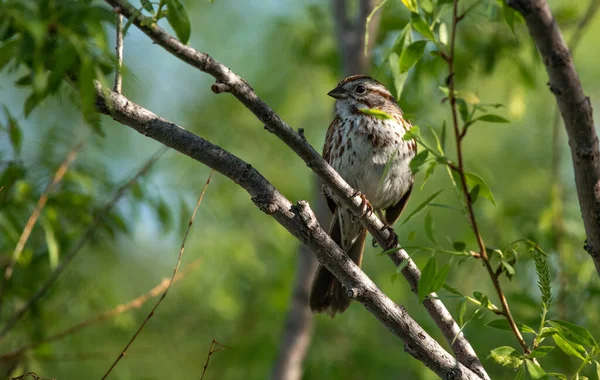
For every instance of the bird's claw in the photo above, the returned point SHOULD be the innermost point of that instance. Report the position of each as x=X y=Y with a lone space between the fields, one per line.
x=365 y=205
x=392 y=240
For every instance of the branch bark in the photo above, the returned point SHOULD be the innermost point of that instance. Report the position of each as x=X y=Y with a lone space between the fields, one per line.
x=227 y=81
x=298 y=219
x=576 y=111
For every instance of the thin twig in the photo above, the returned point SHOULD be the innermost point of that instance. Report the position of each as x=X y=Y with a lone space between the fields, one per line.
x=41 y=203
x=118 y=87
x=210 y=353
x=33 y=375
x=135 y=303
x=89 y=232
x=583 y=23
x=459 y=135
x=187 y=231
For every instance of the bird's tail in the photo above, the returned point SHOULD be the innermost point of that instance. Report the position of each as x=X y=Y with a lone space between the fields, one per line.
x=327 y=294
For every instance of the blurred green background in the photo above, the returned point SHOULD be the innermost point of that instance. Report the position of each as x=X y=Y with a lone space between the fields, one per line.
x=240 y=291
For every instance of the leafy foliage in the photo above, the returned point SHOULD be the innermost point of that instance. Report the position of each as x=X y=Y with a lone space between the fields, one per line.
x=48 y=40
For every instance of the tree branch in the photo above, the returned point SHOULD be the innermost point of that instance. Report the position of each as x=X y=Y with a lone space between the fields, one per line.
x=298 y=219
x=228 y=81
x=576 y=111
x=460 y=169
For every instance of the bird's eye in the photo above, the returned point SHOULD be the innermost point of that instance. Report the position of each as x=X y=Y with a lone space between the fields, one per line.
x=360 y=89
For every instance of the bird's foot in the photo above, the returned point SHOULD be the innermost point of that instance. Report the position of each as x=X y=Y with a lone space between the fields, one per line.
x=392 y=241
x=365 y=205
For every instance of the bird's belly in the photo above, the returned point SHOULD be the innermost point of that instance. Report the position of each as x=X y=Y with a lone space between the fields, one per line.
x=364 y=166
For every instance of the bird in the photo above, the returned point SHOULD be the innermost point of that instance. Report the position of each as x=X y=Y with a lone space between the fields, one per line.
x=367 y=149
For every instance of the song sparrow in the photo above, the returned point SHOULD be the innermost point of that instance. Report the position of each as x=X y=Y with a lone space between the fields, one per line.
x=360 y=146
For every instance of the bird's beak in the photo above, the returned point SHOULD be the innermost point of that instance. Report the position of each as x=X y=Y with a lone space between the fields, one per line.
x=338 y=93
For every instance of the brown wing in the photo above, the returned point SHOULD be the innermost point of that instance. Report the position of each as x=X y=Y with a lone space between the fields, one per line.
x=327 y=151
x=393 y=213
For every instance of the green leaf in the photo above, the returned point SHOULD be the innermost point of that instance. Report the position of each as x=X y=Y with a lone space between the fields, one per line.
x=8 y=52
x=399 y=78
x=502 y=324
x=573 y=332
x=461 y=309
x=474 y=180
x=541 y=351
x=387 y=167
x=428 y=173
x=379 y=114
x=491 y=118
x=535 y=371
x=411 y=5
x=164 y=213
x=548 y=331
x=443 y=136
x=25 y=80
x=459 y=246
x=506 y=356
x=557 y=375
x=452 y=290
x=440 y=278
x=87 y=93
x=421 y=26
x=413 y=132
x=402 y=265
x=429 y=230
x=31 y=102
x=421 y=206
x=463 y=109
x=571 y=349
x=418 y=161
x=474 y=193
x=427 y=6
x=147 y=6
x=443 y=33
x=14 y=132
x=411 y=55
x=544 y=277
x=520 y=373
x=509 y=268
x=403 y=40
x=509 y=16
x=179 y=20
x=597 y=369
x=53 y=248
x=427 y=279
x=134 y=16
